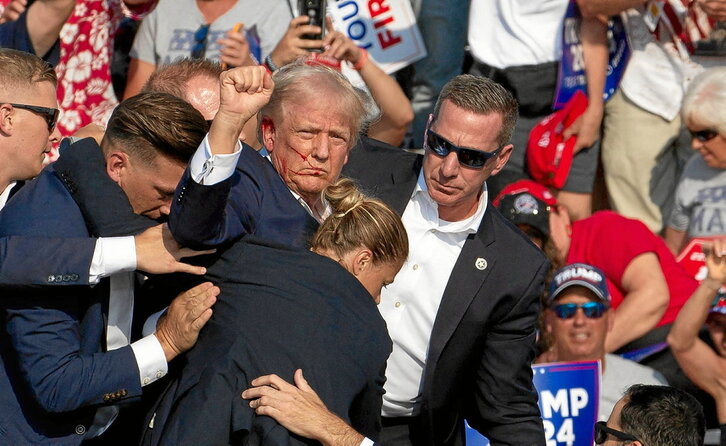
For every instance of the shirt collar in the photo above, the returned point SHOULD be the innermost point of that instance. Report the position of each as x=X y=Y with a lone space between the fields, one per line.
x=430 y=210
x=5 y=194
x=320 y=211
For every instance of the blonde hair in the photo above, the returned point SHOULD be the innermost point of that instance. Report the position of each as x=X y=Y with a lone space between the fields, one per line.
x=22 y=70
x=358 y=220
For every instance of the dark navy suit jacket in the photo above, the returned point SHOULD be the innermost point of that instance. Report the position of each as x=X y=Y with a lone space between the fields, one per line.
x=253 y=201
x=279 y=309
x=53 y=372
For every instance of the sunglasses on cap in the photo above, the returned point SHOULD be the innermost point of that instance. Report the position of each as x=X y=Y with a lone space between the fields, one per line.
x=467 y=156
x=704 y=135
x=200 y=42
x=602 y=431
x=592 y=310
x=49 y=114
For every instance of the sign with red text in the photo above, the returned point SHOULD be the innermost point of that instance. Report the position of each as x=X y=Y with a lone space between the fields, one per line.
x=386 y=28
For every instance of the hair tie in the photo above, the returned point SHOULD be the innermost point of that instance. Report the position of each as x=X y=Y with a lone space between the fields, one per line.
x=343 y=214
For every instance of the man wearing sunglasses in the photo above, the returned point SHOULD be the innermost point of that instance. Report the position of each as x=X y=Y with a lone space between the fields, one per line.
x=577 y=319
x=651 y=415
x=28 y=113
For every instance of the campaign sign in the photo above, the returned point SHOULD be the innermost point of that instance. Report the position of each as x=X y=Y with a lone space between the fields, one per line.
x=386 y=28
x=569 y=393
x=571 y=76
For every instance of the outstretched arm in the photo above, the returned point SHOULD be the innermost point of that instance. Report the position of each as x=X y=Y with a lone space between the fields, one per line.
x=45 y=20
x=702 y=365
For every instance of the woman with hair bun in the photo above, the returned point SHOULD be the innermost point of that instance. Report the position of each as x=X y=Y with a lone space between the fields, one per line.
x=282 y=309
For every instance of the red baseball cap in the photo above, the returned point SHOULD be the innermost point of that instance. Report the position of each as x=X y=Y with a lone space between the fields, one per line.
x=549 y=155
x=532 y=187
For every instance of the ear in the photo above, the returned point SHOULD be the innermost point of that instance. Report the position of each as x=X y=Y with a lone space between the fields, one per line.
x=548 y=320
x=6 y=119
x=503 y=158
x=362 y=261
x=116 y=164
x=268 y=133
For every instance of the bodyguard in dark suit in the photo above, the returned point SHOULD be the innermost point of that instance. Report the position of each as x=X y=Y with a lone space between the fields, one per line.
x=279 y=309
x=462 y=311
x=65 y=351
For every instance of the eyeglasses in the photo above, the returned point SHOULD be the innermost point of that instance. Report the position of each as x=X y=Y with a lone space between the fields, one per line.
x=49 y=114
x=200 y=42
x=467 y=156
x=704 y=135
x=602 y=431
x=592 y=310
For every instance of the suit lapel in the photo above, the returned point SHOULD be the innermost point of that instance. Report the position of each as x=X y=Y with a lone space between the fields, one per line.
x=471 y=270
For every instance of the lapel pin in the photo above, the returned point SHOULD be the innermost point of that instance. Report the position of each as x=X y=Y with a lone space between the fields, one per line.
x=480 y=263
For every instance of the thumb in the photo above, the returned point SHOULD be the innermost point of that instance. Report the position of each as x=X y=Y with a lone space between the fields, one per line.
x=301 y=382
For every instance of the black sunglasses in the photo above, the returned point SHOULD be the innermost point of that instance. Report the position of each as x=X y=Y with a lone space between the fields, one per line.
x=704 y=135
x=49 y=114
x=467 y=156
x=200 y=42
x=602 y=431
x=592 y=310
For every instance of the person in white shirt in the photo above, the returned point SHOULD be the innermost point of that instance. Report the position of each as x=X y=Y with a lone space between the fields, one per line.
x=577 y=319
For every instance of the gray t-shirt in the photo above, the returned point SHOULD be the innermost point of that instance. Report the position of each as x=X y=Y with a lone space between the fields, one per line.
x=620 y=374
x=700 y=205
x=167 y=33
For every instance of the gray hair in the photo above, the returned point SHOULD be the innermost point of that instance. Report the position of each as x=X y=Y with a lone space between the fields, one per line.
x=705 y=100
x=298 y=77
x=482 y=96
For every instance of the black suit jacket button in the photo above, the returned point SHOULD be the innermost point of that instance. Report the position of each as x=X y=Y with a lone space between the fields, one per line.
x=80 y=429
x=51 y=278
x=74 y=277
x=66 y=277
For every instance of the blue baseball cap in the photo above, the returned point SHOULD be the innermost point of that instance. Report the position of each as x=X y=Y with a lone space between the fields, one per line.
x=580 y=274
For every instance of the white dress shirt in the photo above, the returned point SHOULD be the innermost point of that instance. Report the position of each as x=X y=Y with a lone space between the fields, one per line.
x=409 y=305
x=5 y=194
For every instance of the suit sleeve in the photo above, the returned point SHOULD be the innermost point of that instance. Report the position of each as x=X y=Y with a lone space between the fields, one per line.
x=46 y=337
x=365 y=411
x=58 y=261
x=206 y=216
x=504 y=407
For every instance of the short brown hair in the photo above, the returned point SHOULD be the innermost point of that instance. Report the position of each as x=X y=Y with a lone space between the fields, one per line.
x=152 y=124
x=482 y=96
x=21 y=70
x=358 y=220
x=173 y=78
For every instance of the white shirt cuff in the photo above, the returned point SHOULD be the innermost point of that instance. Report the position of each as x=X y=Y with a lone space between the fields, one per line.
x=208 y=169
x=112 y=255
x=366 y=442
x=150 y=359
x=150 y=324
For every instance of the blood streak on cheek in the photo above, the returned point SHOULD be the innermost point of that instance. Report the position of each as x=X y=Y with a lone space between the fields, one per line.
x=304 y=158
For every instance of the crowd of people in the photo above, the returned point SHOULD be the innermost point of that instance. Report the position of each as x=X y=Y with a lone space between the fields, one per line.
x=210 y=234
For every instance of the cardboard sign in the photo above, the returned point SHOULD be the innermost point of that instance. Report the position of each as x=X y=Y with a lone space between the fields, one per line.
x=386 y=28
x=571 y=75
x=569 y=393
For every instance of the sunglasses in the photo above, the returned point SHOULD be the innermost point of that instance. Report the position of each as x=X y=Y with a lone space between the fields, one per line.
x=592 y=310
x=704 y=135
x=49 y=114
x=602 y=431
x=200 y=42
x=467 y=156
